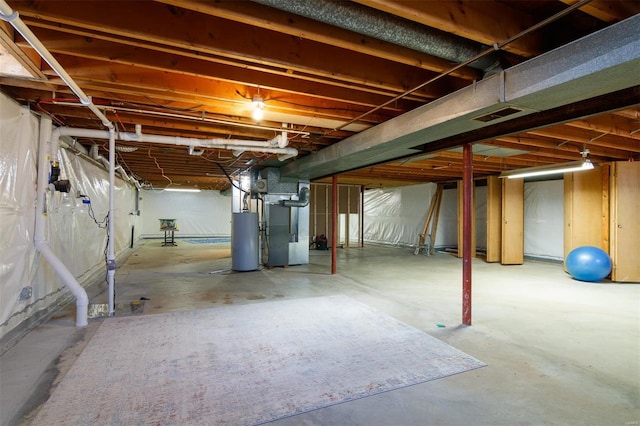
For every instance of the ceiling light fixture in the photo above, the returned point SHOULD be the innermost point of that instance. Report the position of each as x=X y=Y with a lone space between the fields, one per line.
x=182 y=189
x=551 y=169
x=258 y=105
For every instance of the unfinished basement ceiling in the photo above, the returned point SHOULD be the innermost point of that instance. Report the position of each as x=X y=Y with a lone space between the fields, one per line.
x=327 y=71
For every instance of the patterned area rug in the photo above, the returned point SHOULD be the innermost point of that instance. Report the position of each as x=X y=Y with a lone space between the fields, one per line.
x=244 y=364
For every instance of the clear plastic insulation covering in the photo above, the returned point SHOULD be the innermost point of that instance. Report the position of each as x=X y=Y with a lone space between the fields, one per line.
x=396 y=216
x=75 y=222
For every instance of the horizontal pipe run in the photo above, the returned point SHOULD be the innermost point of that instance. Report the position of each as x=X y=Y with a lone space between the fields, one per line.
x=269 y=146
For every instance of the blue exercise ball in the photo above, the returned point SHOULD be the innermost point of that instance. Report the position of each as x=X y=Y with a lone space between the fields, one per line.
x=588 y=263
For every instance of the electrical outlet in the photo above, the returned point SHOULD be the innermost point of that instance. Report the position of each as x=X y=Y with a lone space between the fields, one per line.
x=26 y=293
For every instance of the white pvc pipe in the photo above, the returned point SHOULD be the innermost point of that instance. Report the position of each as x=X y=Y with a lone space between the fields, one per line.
x=284 y=140
x=111 y=254
x=231 y=144
x=82 y=300
x=274 y=150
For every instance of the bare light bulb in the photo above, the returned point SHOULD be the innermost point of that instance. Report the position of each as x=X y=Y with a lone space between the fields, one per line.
x=258 y=104
x=258 y=114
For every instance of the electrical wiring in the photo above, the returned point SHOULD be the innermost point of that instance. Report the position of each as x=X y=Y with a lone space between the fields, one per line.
x=103 y=224
x=158 y=165
x=124 y=129
x=231 y=180
x=227 y=161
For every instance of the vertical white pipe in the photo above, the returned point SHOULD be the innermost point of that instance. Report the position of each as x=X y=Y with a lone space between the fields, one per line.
x=111 y=256
x=82 y=300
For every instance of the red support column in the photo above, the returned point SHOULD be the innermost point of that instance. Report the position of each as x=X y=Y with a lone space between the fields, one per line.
x=334 y=224
x=467 y=197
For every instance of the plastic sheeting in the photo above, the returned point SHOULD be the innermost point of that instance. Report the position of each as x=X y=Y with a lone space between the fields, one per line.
x=201 y=214
x=396 y=216
x=18 y=158
x=544 y=219
x=72 y=235
x=447 y=235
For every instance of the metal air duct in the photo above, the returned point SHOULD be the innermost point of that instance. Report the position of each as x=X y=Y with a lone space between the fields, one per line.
x=302 y=201
x=393 y=29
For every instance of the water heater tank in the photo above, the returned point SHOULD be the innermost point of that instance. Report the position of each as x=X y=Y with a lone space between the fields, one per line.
x=244 y=242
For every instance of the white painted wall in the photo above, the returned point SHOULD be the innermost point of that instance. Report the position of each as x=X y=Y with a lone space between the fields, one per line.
x=198 y=214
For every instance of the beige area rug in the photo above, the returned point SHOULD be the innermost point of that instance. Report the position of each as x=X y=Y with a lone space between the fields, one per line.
x=244 y=364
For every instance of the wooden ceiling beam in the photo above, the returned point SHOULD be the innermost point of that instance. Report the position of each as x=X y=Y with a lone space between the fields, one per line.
x=631 y=113
x=27 y=83
x=179 y=88
x=609 y=10
x=534 y=143
x=85 y=44
x=183 y=89
x=27 y=57
x=194 y=122
x=610 y=124
x=299 y=26
x=209 y=35
x=486 y=22
x=587 y=137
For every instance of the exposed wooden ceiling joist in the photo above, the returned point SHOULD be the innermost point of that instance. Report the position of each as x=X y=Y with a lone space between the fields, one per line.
x=191 y=68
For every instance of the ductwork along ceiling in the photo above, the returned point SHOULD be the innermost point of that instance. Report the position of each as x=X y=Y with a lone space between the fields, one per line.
x=379 y=92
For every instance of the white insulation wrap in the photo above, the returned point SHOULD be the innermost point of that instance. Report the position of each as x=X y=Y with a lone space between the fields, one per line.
x=197 y=214
x=71 y=228
x=29 y=286
x=544 y=219
x=396 y=216
x=18 y=157
x=447 y=235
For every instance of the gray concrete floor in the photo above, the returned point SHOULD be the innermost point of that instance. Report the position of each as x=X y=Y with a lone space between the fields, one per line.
x=559 y=351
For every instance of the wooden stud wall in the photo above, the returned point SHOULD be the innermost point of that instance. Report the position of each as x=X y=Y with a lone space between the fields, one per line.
x=320 y=208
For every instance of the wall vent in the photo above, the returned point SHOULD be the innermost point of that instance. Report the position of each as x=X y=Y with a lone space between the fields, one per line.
x=501 y=113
